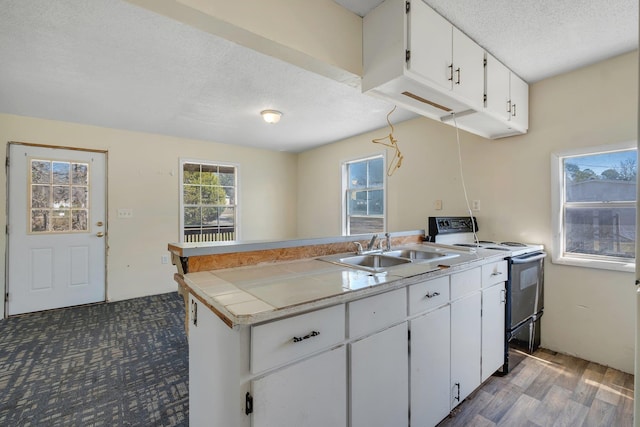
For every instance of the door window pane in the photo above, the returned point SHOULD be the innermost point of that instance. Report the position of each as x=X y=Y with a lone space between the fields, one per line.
x=59 y=196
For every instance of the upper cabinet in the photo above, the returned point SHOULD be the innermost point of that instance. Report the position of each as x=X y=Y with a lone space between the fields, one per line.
x=454 y=62
x=418 y=60
x=507 y=95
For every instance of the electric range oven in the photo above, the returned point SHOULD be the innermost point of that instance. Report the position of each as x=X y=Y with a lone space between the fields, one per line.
x=525 y=283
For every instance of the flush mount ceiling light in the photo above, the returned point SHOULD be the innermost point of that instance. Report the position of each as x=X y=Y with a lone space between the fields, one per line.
x=271 y=116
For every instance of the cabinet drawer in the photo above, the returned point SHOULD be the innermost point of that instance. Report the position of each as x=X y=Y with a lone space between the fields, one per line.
x=493 y=273
x=427 y=295
x=465 y=282
x=377 y=312
x=282 y=341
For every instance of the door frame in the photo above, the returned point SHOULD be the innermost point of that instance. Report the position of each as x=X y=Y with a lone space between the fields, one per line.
x=5 y=286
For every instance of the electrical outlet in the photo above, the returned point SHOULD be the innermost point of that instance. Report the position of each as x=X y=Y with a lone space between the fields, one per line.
x=165 y=259
x=437 y=205
x=125 y=213
x=475 y=205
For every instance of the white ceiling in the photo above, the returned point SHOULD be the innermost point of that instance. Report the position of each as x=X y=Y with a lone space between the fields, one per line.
x=109 y=63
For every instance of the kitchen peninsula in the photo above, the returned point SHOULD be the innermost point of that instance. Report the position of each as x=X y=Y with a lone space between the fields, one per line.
x=290 y=333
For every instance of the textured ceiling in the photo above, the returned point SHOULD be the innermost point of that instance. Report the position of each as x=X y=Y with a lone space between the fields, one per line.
x=110 y=63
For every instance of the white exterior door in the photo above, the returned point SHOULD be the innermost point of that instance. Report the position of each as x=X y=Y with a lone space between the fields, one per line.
x=57 y=228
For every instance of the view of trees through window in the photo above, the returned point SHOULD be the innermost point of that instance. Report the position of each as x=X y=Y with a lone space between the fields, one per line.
x=209 y=202
x=599 y=204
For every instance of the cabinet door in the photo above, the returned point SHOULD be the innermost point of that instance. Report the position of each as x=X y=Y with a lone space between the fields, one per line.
x=430 y=357
x=519 y=90
x=468 y=69
x=465 y=347
x=493 y=306
x=380 y=379
x=214 y=363
x=498 y=99
x=310 y=393
x=430 y=43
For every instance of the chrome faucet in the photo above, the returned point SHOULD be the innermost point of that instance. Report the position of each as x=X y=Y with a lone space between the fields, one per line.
x=372 y=242
x=388 y=242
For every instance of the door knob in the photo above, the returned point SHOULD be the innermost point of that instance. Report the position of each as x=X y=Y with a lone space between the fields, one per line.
x=100 y=234
x=99 y=223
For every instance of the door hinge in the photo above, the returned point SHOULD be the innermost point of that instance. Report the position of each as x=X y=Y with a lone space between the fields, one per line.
x=407 y=6
x=194 y=313
x=409 y=335
x=407 y=55
x=6 y=297
x=484 y=62
x=248 y=403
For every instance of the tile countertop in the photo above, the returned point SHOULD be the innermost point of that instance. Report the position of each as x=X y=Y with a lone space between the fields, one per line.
x=255 y=294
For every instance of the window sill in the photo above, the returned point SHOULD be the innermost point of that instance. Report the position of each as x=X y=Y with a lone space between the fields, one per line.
x=629 y=267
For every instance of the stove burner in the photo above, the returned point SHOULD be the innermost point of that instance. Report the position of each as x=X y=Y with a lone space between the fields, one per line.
x=516 y=244
x=467 y=245
x=487 y=242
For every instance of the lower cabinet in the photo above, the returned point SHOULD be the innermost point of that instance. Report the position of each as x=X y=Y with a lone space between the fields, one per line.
x=493 y=335
x=430 y=357
x=465 y=347
x=379 y=379
x=311 y=393
x=352 y=365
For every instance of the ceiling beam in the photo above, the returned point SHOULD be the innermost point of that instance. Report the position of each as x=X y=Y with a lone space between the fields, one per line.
x=319 y=36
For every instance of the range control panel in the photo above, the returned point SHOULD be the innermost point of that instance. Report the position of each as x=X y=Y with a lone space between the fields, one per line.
x=451 y=224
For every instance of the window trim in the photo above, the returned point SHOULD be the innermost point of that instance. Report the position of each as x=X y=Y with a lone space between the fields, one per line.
x=184 y=160
x=345 y=188
x=558 y=255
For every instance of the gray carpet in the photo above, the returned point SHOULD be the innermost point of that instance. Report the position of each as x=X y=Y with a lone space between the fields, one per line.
x=117 y=364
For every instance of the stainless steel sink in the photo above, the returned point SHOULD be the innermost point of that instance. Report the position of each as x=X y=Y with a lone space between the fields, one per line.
x=375 y=263
x=373 y=260
x=418 y=255
x=382 y=261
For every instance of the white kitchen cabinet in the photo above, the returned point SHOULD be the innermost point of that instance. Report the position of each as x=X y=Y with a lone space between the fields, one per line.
x=519 y=90
x=466 y=343
x=493 y=334
x=430 y=363
x=379 y=377
x=507 y=95
x=215 y=395
x=416 y=59
x=444 y=55
x=312 y=393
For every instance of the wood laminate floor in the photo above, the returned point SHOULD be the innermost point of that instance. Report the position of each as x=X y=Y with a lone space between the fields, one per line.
x=549 y=389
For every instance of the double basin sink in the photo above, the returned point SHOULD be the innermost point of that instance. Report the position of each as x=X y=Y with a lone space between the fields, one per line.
x=382 y=261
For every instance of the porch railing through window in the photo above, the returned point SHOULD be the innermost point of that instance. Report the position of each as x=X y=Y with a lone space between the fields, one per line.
x=209 y=234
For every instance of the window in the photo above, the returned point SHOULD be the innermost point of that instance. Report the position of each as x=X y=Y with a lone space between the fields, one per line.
x=59 y=201
x=208 y=202
x=594 y=207
x=364 y=196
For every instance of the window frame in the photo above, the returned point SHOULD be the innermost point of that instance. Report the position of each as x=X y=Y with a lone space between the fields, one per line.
x=559 y=256
x=237 y=228
x=345 y=189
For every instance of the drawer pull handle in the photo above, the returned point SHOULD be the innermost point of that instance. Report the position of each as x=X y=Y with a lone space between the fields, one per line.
x=306 y=337
x=497 y=273
x=435 y=294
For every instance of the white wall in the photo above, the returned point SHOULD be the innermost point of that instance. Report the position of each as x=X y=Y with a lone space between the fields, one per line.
x=143 y=175
x=588 y=313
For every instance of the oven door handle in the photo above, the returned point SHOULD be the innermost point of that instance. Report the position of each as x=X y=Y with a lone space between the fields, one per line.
x=523 y=259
